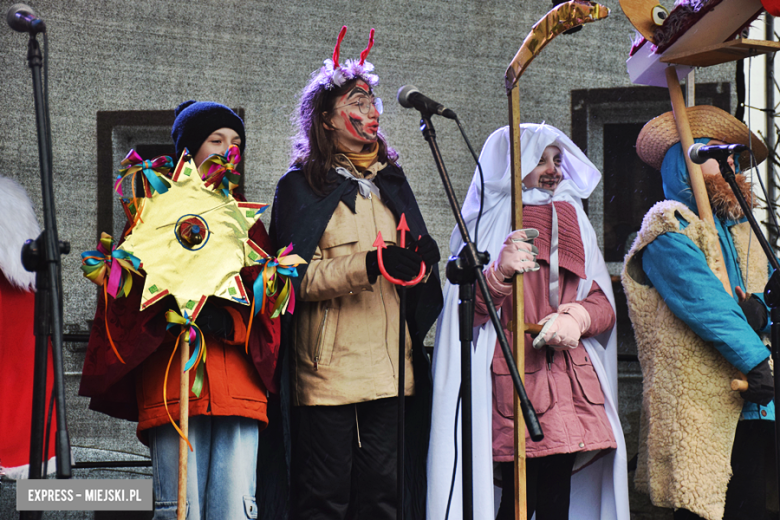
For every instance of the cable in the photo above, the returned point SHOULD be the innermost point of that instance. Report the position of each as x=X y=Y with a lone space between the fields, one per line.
x=455 y=464
x=481 y=183
x=46 y=93
x=741 y=68
x=763 y=189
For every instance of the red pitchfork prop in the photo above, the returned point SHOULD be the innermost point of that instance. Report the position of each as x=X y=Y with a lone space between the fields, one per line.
x=379 y=243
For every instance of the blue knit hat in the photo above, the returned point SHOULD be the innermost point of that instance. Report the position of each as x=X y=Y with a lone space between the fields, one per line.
x=196 y=120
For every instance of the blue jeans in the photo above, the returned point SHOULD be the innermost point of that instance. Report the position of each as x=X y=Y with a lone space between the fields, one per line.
x=221 y=471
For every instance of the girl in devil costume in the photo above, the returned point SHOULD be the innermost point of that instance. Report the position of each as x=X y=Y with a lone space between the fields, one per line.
x=343 y=187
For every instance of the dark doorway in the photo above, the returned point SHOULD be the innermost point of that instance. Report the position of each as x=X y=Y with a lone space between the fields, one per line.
x=630 y=189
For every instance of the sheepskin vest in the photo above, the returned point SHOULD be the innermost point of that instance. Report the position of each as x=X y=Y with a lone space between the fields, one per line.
x=689 y=412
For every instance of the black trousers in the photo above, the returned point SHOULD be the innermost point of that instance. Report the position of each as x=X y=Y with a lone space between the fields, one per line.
x=751 y=457
x=344 y=461
x=547 y=487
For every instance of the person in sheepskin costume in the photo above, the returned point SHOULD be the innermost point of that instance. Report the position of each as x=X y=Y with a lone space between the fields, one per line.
x=17 y=342
x=703 y=447
x=579 y=469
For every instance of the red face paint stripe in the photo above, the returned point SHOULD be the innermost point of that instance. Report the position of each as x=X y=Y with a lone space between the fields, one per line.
x=348 y=125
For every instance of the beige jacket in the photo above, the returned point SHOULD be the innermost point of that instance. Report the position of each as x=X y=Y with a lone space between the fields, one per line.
x=346 y=330
x=689 y=412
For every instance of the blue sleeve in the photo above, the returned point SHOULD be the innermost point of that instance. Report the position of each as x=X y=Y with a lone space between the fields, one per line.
x=679 y=272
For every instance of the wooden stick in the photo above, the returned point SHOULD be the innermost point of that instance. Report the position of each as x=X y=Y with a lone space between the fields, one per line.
x=184 y=421
x=694 y=170
x=517 y=299
x=533 y=329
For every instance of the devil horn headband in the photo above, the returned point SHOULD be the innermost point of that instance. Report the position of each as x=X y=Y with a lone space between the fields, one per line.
x=334 y=74
x=365 y=52
x=337 y=48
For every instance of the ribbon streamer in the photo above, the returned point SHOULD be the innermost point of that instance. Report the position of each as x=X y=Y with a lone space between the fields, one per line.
x=154 y=172
x=110 y=268
x=219 y=171
x=188 y=326
x=274 y=280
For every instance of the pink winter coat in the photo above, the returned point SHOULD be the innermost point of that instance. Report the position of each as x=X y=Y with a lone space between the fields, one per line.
x=562 y=385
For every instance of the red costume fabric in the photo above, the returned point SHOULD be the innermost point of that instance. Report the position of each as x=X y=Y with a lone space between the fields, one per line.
x=17 y=355
x=235 y=382
x=17 y=341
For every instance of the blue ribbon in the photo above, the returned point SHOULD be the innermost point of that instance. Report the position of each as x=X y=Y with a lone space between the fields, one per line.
x=151 y=175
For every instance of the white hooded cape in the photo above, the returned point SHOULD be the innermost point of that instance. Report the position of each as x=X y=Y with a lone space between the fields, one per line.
x=600 y=490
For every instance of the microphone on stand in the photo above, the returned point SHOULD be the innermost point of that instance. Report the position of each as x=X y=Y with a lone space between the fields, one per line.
x=701 y=153
x=410 y=97
x=22 y=18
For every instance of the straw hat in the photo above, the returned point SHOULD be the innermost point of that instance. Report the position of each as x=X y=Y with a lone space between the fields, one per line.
x=659 y=134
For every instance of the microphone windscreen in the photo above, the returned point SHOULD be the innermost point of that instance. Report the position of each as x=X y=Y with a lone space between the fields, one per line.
x=404 y=93
x=693 y=153
x=13 y=21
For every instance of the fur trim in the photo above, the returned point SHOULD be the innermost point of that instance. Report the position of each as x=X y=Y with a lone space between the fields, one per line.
x=724 y=202
x=17 y=224
x=685 y=437
x=22 y=472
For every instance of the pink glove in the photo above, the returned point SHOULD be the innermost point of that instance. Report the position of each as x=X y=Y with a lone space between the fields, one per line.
x=499 y=289
x=562 y=330
x=518 y=254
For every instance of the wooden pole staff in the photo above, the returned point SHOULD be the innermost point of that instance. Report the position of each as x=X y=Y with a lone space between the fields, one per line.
x=697 y=185
x=694 y=170
x=184 y=421
x=518 y=341
x=561 y=18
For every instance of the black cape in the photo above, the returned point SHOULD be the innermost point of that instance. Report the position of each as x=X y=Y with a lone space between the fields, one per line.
x=300 y=216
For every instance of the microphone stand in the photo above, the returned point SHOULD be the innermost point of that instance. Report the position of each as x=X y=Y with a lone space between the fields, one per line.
x=42 y=256
x=771 y=291
x=464 y=270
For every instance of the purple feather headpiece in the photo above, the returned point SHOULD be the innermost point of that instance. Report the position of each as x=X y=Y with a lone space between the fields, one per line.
x=334 y=74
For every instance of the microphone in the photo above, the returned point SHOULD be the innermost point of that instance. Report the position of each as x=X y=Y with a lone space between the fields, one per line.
x=410 y=97
x=22 y=18
x=700 y=153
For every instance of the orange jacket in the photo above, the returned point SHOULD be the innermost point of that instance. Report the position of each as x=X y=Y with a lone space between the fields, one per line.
x=231 y=385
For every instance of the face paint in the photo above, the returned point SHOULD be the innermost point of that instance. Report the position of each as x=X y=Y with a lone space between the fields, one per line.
x=547 y=174
x=355 y=130
x=367 y=131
